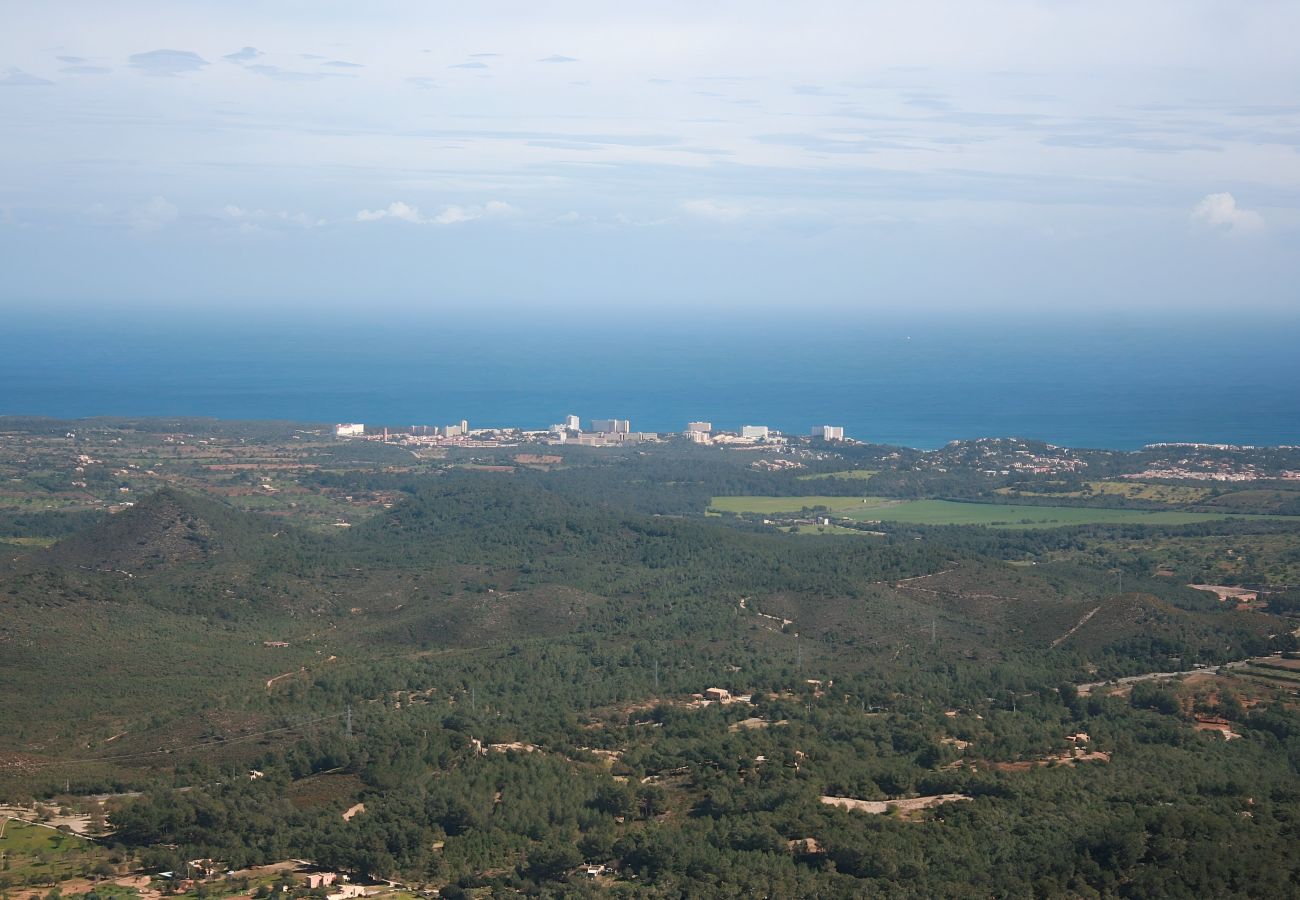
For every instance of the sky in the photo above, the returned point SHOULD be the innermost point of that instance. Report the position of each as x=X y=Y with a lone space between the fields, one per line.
x=670 y=159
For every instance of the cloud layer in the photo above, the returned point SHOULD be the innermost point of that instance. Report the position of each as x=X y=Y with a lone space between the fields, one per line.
x=937 y=149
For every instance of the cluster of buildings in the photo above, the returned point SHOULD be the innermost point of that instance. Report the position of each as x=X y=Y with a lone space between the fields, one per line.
x=599 y=433
x=457 y=434
x=358 y=429
x=1223 y=471
x=607 y=432
x=703 y=433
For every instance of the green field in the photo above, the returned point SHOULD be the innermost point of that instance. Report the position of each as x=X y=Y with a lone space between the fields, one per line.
x=946 y=512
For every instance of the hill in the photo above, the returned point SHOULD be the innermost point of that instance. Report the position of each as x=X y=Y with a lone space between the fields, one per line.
x=166 y=528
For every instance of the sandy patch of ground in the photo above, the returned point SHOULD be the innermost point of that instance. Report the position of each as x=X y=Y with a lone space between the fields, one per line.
x=1070 y=758
x=1218 y=726
x=1227 y=592
x=880 y=807
x=754 y=722
x=517 y=746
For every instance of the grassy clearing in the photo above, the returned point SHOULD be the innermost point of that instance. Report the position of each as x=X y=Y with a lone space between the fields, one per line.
x=42 y=501
x=34 y=854
x=827 y=529
x=1159 y=493
x=766 y=505
x=29 y=541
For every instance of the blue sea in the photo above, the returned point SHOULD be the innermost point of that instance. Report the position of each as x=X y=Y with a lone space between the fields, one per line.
x=918 y=383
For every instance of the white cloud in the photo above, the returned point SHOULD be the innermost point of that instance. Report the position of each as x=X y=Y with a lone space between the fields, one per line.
x=715 y=211
x=454 y=215
x=152 y=215
x=273 y=216
x=395 y=210
x=1221 y=211
x=448 y=215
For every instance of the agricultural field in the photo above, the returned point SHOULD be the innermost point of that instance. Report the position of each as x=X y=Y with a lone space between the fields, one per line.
x=947 y=512
x=850 y=475
x=1174 y=494
x=1170 y=494
x=36 y=854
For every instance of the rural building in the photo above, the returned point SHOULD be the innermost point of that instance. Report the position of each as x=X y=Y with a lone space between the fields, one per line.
x=721 y=695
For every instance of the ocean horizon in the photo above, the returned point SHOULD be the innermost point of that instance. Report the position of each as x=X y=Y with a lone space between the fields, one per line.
x=918 y=384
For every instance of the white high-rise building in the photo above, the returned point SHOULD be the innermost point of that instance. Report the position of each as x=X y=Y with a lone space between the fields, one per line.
x=829 y=432
x=755 y=432
x=572 y=423
x=611 y=426
x=699 y=427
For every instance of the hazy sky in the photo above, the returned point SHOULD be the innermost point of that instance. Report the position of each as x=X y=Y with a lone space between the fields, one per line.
x=676 y=156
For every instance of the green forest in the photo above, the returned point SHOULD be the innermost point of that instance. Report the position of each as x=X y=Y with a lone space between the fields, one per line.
x=575 y=681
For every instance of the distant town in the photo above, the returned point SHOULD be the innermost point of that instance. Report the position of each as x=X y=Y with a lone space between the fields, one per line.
x=598 y=433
